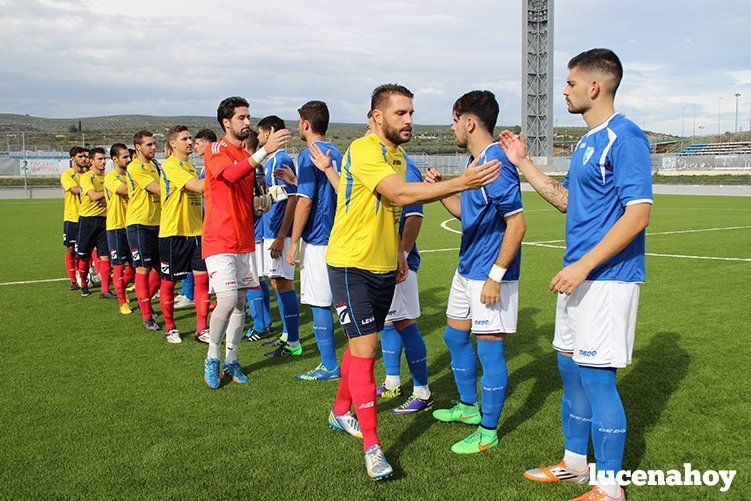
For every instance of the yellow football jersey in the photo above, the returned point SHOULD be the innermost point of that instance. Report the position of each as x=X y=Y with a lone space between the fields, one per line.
x=181 y=209
x=117 y=204
x=70 y=179
x=92 y=208
x=366 y=226
x=143 y=206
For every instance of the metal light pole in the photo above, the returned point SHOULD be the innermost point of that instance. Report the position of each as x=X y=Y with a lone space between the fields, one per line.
x=682 y=117
x=694 y=133
x=719 y=109
x=737 y=95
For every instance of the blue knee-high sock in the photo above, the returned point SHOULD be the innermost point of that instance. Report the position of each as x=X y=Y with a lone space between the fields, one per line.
x=417 y=354
x=576 y=414
x=291 y=315
x=493 y=382
x=188 y=286
x=391 y=346
x=280 y=306
x=608 y=417
x=266 y=303
x=323 y=330
x=463 y=363
x=255 y=303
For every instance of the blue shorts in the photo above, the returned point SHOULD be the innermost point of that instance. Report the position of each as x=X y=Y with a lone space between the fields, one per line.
x=180 y=256
x=119 y=248
x=361 y=298
x=70 y=233
x=143 y=241
x=92 y=232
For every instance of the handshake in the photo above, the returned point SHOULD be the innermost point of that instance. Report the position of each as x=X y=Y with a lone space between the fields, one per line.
x=269 y=195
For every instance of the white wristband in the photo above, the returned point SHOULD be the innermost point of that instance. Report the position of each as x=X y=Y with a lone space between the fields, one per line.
x=259 y=155
x=496 y=273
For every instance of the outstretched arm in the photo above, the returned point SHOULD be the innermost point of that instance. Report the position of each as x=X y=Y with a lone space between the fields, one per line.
x=323 y=163
x=453 y=204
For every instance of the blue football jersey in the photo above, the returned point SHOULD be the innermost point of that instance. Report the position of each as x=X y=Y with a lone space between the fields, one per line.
x=272 y=220
x=314 y=185
x=610 y=169
x=413 y=175
x=483 y=223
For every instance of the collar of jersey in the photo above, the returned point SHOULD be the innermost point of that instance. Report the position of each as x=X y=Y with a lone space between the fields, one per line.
x=471 y=158
x=602 y=125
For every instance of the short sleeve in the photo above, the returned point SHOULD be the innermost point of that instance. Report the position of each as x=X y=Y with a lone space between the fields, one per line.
x=413 y=176
x=139 y=173
x=175 y=178
x=565 y=180
x=67 y=181
x=504 y=192
x=87 y=183
x=632 y=171
x=368 y=165
x=306 y=175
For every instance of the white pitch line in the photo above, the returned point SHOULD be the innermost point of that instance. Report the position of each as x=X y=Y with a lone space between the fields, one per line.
x=36 y=281
x=710 y=258
x=673 y=232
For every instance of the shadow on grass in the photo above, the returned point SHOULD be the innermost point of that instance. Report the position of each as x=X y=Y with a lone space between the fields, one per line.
x=658 y=371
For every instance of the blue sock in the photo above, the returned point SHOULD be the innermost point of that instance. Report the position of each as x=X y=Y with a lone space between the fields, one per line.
x=391 y=346
x=463 y=363
x=576 y=414
x=417 y=354
x=255 y=303
x=291 y=315
x=266 y=303
x=608 y=417
x=493 y=382
x=187 y=286
x=323 y=330
x=280 y=306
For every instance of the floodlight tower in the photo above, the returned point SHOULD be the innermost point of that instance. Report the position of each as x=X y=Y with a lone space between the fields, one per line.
x=537 y=78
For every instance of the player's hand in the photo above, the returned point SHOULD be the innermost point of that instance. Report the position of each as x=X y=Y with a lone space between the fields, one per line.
x=514 y=147
x=569 y=278
x=478 y=176
x=491 y=292
x=291 y=256
x=286 y=174
x=320 y=160
x=433 y=176
x=402 y=270
x=276 y=248
x=276 y=140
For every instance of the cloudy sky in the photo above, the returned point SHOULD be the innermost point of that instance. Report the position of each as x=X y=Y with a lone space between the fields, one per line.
x=86 y=58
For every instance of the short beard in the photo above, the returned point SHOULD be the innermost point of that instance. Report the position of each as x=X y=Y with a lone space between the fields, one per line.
x=393 y=134
x=241 y=136
x=461 y=144
x=578 y=110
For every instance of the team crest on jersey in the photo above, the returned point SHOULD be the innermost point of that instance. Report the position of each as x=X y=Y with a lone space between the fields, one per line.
x=113 y=254
x=136 y=254
x=165 y=267
x=588 y=154
x=343 y=312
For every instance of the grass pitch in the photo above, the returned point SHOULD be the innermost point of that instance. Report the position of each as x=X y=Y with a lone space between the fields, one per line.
x=93 y=406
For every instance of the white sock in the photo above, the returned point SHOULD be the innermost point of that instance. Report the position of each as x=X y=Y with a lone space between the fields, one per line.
x=235 y=330
x=220 y=317
x=613 y=491
x=283 y=337
x=214 y=350
x=392 y=382
x=293 y=344
x=422 y=392
x=574 y=461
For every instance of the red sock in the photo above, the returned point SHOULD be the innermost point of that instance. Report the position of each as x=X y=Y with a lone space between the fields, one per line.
x=155 y=281
x=117 y=275
x=167 y=302
x=70 y=266
x=201 y=296
x=362 y=385
x=343 y=400
x=129 y=274
x=142 y=293
x=83 y=271
x=95 y=260
x=104 y=270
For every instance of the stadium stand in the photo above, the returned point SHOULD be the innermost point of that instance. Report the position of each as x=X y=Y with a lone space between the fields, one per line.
x=717 y=149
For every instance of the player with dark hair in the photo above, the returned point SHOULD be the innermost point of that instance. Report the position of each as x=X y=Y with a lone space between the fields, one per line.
x=116 y=194
x=228 y=243
x=92 y=223
x=142 y=223
x=484 y=297
x=363 y=257
x=180 y=227
x=313 y=219
x=607 y=198
x=277 y=229
x=70 y=181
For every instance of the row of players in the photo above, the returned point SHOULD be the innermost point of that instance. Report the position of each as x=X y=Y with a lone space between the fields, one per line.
x=361 y=265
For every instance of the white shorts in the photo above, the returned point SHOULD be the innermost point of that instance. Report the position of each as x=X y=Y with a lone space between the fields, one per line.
x=465 y=304
x=230 y=272
x=314 y=276
x=406 y=302
x=258 y=254
x=597 y=323
x=277 y=268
